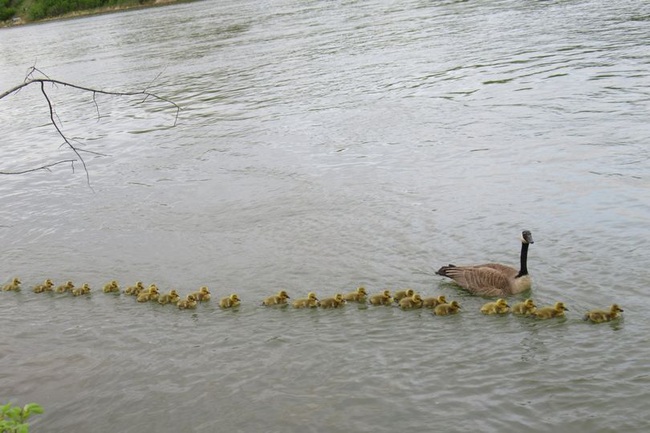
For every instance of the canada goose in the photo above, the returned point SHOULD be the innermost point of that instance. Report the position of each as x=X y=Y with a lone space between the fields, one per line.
x=169 y=298
x=401 y=294
x=311 y=301
x=525 y=308
x=358 y=295
x=432 y=302
x=202 y=295
x=600 y=316
x=231 y=301
x=46 y=286
x=500 y=306
x=493 y=279
x=14 y=286
x=111 y=287
x=279 y=299
x=411 y=303
x=446 y=309
x=83 y=290
x=134 y=290
x=187 y=303
x=67 y=287
x=556 y=310
x=334 y=302
x=382 y=298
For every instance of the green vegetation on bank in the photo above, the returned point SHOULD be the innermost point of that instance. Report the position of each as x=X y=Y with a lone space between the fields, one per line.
x=34 y=10
x=13 y=419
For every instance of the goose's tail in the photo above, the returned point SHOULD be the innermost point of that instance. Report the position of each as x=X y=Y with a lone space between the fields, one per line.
x=443 y=271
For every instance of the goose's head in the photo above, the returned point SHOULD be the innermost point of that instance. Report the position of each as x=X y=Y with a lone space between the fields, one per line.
x=48 y=283
x=386 y=293
x=409 y=292
x=455 y=304
x=559 y=306
x=616 y=309
x=527 y=237
x=204 y=290
x=361 y=290
x=442 y=299
x=529 y=303
x=416 y=297
x=312 y=296
x=191 y=298
x=139 y=285
x=283 y=294
x=502 y=303
x=234 y=297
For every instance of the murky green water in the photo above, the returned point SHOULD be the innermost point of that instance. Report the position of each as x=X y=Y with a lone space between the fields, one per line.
x=322 y=146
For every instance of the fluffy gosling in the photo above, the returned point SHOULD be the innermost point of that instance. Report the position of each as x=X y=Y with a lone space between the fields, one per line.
x=359 y=295
x=556 y=310
x=187 y=303
x=401 y=294
x=202 y=295
x=231 y=301
x=46 y=286
x=600 y=316
x=411 y=303
x=526 y=308
x=311 y=301
x=335 y=302
x=14 y=286
x=383 y=298
x=111 y=287
x=278 y=299
x=433 y=302
x=446 y=309
x=169 y=298
x=500 y=306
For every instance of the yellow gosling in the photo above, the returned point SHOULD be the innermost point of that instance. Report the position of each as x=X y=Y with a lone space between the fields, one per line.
x=411 y=303
x=556 y=310
x=14 y=286
x=401 y=294
x=432 y=302
x=152 y=292
x=526 y=308
x=500 y=306
x=446 y=309
x=134 y=290
x=46 y=286
x=187 y=303
x=311 y=301
x=600 y=316
x=202 y=295
x=67 y=287
x=231 y=301
x=169 y=298
x=382 y=298
x=83 y=290
x=335 y=302
x=279 y=299
x=111 y=287
x=359 y=295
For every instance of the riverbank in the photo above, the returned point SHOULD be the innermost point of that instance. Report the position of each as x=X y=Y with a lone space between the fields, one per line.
x=21 y=18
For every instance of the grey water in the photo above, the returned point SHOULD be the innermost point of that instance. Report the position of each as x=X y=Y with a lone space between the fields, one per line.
x=322 y=146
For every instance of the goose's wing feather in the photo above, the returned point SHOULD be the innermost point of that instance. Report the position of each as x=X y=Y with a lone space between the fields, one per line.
x=507 y=271
x=481 y=280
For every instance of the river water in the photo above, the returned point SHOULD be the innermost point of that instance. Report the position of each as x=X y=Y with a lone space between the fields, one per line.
x=322 y=146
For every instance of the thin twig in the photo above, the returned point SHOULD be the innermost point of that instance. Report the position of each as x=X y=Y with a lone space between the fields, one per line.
x=43 y=167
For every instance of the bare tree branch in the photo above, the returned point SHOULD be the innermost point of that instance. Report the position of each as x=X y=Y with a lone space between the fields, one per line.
x=32 y=78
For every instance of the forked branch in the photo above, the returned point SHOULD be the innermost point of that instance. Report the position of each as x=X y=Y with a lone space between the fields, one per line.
x=43 y=79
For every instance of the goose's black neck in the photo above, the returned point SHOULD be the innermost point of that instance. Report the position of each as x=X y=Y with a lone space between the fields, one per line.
x=523 y=259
